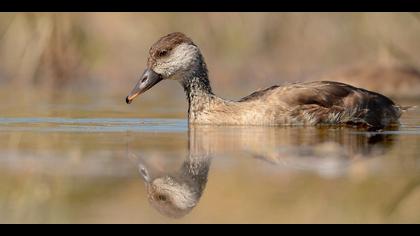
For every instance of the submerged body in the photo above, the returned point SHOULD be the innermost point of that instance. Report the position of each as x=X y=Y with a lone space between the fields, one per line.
x=176 y=57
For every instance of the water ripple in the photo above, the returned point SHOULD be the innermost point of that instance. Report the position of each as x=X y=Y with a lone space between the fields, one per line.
x=93 y=125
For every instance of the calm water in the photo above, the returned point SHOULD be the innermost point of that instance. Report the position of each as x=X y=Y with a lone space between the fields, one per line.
x=130 y=170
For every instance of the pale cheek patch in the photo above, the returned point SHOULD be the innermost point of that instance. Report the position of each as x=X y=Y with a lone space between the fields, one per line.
x=181 y=196
x=181 y=58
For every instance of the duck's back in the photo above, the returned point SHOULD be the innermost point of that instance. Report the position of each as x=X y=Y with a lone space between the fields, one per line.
x=326 y=102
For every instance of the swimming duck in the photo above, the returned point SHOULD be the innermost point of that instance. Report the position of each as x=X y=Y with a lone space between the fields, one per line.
x=176 y=57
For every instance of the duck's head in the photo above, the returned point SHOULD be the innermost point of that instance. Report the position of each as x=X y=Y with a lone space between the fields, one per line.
x=171 y=57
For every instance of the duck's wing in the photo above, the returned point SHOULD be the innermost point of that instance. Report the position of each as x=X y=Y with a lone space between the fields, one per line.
x=323 y=93
x=260 y=94
x=335 y=102
x=331 y=102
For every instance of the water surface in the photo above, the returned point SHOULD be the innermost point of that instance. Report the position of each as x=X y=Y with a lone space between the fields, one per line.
x=132 y=170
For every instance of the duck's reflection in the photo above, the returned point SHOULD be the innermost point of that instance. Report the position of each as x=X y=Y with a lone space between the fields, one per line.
x=175 y=194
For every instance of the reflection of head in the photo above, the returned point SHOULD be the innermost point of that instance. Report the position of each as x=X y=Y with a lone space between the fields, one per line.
x=172 y=198
x=177 y=194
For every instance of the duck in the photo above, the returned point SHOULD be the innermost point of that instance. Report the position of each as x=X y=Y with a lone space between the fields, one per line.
x=176 y=57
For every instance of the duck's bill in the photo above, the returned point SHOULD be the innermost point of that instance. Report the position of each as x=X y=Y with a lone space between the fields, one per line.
x=147 y=81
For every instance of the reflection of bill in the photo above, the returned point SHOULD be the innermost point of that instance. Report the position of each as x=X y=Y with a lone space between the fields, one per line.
x=325 y=151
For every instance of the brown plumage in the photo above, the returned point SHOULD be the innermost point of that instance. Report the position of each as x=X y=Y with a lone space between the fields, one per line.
x=176 y=57
x=165 y=45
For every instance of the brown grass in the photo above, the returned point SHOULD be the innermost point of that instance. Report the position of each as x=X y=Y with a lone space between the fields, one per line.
x=252 y=49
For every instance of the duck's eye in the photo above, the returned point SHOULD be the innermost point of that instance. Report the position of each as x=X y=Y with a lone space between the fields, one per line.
x=162 y=53
x=161 y=197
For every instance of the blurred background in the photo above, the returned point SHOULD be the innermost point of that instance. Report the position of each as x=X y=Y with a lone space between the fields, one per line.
x=103 y=54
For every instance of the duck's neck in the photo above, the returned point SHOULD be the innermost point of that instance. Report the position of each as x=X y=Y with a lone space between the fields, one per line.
x=197 y=87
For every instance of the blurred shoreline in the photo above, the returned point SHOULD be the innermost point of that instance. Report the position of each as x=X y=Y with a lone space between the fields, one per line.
x=106 y=52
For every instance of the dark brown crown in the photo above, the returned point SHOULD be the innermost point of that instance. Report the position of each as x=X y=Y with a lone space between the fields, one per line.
x=165 y=44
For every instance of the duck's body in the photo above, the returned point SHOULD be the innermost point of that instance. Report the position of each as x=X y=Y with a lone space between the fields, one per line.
x=312 y=103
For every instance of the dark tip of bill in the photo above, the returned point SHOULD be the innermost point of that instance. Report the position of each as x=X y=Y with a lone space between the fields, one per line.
x=128 y=101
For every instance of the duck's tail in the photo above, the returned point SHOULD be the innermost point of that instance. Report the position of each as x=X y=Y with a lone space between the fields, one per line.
x=406 y=108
